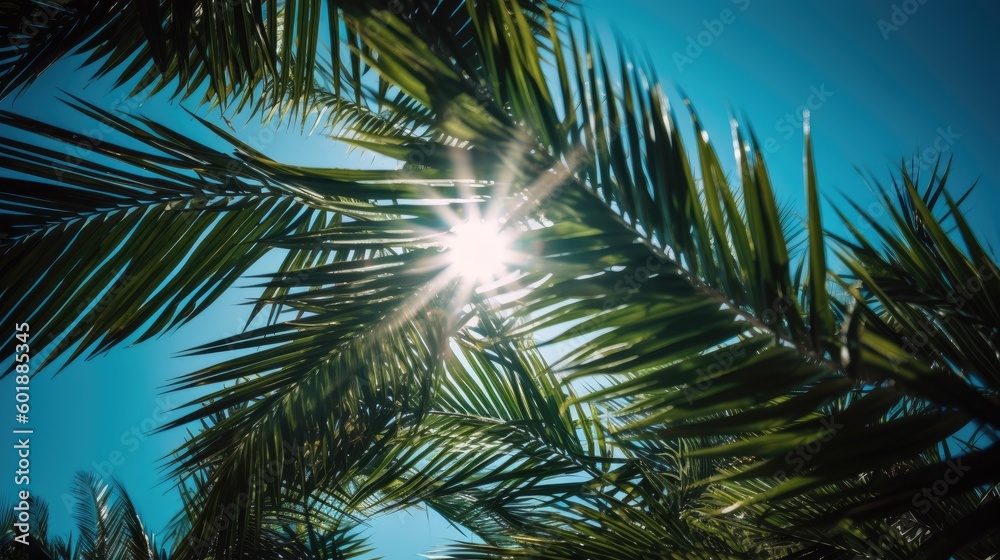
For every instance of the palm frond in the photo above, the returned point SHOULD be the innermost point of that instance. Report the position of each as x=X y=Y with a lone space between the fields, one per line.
x=707 y=394
x=267 y=56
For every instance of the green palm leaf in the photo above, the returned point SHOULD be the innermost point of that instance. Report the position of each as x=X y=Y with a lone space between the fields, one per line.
x=706 y=394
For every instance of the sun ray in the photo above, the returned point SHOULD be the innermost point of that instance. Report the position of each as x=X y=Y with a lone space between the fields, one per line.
x=479 y=249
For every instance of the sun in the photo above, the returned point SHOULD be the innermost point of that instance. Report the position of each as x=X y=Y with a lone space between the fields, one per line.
x=479 y=250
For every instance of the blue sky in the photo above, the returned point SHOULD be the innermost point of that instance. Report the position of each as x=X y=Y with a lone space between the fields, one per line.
x=887 y=96
x=923 y=82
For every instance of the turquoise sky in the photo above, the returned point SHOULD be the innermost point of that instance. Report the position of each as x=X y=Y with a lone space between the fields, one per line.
x=921 y=82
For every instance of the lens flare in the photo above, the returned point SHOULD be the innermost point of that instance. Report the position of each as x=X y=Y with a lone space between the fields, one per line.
x=479 y=250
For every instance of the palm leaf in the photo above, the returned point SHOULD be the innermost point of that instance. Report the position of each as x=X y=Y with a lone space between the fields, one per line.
x=679 y=309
